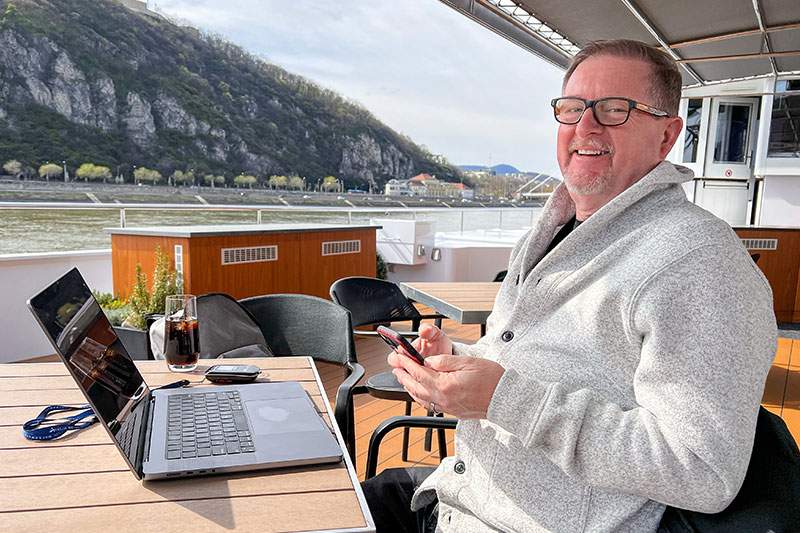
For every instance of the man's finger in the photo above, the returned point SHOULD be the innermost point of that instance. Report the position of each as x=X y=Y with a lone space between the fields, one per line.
x=429 y=332
x=412 y=386
x=446 y=363
x=394 y=359
x=423 y=375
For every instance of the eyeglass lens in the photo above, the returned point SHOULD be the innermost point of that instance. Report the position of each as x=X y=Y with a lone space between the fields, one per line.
x=607 y=111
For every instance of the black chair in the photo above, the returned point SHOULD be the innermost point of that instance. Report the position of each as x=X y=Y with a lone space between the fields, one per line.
x=135 y=341
x=227 y=329
x=297 y=324
x=373 y=302
x=405 y=422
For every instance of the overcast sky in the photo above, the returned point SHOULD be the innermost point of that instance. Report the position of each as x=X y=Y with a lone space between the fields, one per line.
x=418 y=65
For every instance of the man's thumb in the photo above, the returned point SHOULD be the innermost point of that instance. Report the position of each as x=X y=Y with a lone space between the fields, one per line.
x=429 y=332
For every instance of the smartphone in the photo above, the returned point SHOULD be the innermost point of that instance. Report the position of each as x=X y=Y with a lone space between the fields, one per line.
x=232 y=373
x=395 y=340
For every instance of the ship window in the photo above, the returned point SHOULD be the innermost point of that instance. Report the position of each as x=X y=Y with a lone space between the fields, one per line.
x=784 y=129
x=731 y=137
x=692 y=139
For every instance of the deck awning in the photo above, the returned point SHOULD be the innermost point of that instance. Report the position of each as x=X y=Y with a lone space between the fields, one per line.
x=713 y=40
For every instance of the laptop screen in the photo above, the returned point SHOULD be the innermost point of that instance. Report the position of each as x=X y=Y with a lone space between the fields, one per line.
x=94 y=355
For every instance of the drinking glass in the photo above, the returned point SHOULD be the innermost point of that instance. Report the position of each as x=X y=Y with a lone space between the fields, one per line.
x=181 y=335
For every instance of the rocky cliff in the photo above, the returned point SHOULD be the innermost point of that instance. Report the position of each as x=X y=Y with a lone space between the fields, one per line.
x=89 y=80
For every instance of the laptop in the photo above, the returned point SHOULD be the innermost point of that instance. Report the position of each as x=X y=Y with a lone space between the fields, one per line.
x=177 y=432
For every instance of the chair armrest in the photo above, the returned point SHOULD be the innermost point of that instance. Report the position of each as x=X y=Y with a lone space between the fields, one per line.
x=343 y=411
x=401 y=422
x=344 y=396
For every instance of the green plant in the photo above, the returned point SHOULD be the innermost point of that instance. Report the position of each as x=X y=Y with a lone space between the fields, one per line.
x=144 y=302
x=380 y=267
x=115 y=309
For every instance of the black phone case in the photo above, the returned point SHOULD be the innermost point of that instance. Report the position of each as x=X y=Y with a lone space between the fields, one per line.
x=230 y=377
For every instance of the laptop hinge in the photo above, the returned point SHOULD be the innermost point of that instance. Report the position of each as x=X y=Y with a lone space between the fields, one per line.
x=143 y=449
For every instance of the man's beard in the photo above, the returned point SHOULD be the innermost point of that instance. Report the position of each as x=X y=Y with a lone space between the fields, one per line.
x=585 y=185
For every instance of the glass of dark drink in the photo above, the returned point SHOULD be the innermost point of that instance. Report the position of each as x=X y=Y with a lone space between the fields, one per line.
x=181 y=335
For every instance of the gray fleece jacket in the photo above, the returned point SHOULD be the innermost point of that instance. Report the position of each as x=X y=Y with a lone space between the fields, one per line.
x=635 y=356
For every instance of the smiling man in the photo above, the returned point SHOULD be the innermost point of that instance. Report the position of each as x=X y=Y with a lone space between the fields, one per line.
x=627 y=350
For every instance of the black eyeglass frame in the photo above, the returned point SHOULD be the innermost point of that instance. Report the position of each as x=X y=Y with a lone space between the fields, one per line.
x=632 y=104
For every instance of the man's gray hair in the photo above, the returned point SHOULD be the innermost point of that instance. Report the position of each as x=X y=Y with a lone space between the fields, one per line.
x=666 y=85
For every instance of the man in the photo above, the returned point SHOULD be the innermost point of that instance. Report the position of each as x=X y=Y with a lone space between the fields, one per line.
x=628 y=347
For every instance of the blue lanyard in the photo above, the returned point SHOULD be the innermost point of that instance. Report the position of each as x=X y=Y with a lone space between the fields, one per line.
x=43 y=428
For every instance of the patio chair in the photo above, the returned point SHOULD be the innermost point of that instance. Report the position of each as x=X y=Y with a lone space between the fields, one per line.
x=297 y=324
x=135 y=341
x=374 y=302
x=405 y=422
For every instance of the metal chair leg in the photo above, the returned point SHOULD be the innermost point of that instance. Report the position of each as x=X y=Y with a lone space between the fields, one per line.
x=428 y=435
x=406 y=431
x=442 y=441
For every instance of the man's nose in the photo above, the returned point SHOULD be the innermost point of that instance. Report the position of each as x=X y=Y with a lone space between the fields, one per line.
x=588 y=123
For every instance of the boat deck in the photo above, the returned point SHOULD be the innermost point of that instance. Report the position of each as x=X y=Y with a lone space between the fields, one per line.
x=781 y=396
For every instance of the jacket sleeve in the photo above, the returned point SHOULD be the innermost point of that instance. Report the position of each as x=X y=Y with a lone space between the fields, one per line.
x=707 y=334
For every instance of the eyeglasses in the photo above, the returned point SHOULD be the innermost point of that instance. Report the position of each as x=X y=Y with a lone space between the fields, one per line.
x=612 y=111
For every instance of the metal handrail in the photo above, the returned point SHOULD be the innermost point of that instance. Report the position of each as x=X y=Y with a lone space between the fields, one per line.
x=123 y=208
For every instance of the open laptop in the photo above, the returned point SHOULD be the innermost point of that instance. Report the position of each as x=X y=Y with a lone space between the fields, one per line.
x=177 y=432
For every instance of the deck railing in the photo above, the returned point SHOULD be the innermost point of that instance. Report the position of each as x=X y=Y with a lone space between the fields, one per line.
x=503 y=214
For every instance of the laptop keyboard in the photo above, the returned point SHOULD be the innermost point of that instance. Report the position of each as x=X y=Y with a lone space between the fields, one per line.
x=206 y=424
x=129 y=428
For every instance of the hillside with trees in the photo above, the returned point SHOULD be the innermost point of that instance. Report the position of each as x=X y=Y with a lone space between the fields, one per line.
x=92 y=82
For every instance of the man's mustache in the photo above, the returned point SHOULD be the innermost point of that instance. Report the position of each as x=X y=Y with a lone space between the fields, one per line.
x=588 y=144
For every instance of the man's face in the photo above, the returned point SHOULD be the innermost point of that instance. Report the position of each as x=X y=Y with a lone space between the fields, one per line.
x=628 y=151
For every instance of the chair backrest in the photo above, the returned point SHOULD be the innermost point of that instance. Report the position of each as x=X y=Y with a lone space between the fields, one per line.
x=135 y=342
x=227 y=328
x=298 y=324
x=373 y=301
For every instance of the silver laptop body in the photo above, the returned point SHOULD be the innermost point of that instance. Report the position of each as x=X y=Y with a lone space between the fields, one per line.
x=177 y=432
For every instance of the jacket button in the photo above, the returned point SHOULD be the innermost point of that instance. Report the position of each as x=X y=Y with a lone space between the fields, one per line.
x=460 y=467
x=507 y=336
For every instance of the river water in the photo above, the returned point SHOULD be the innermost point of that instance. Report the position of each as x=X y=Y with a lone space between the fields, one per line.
x=51 y=230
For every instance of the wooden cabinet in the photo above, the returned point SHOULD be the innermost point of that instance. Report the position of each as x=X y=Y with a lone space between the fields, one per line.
x=778 y=252
x=247 y=260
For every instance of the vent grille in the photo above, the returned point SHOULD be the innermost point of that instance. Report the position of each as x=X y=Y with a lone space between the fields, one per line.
x=249 y=254
x=179 y=265
x=760 y=244
x=341 y=247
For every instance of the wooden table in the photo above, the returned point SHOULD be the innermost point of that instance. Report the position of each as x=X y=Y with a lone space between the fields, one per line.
x=81 y=483
x=466 y=302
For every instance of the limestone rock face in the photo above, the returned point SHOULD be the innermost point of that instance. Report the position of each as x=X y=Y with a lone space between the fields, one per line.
x=138 y=120
x=50 y=78
x=174 y=117
x=103 y=94
x=364 y=159
x=121 y=87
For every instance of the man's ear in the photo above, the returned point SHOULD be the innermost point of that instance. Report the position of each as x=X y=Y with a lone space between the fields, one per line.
x=671 y=132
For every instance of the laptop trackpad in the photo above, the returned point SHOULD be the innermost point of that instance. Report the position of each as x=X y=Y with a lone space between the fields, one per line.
x=288 y=415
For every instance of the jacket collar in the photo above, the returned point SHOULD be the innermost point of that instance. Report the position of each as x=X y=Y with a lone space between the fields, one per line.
x=560 y=208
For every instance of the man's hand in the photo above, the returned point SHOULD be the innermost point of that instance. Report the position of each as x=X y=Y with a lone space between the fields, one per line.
x=432 y=341
x=458 y=385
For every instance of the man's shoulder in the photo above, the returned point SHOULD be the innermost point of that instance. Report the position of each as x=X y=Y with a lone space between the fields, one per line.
x=684 y=224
